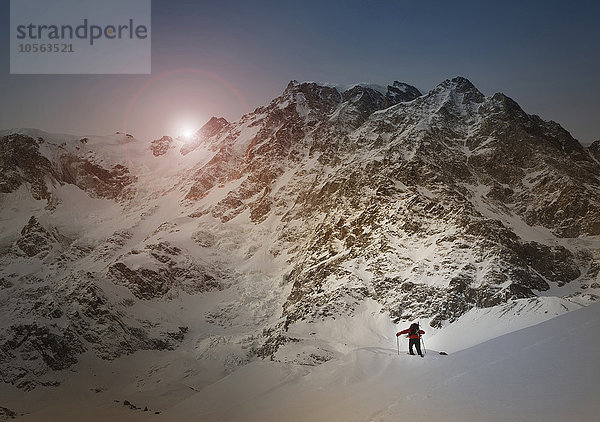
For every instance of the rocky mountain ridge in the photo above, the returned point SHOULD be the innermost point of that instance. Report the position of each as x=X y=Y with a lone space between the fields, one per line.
x=427 y=204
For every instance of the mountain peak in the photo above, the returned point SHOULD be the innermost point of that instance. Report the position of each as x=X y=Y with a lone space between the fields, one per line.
x=291 y=85
x=400 y=92
x=461 y=80
x=594 y=149
x=211 y=127
x=404 y=87
x=462 y=86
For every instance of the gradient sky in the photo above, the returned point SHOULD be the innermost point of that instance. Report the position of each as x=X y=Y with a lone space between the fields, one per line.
x=226 y=58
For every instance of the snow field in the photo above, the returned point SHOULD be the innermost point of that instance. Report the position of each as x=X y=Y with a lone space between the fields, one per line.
x=526 y=375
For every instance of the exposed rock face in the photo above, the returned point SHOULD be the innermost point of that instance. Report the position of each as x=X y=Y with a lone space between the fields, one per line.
x=93 y=178
x=161 y=146
x=594 y=150
x=35 y=239
x=451 y=171
x=57 y=349
x=54 y=323
x=212 y=127
x=173 y=270
x=21 y=162
x=400 y=92
x=7 y=414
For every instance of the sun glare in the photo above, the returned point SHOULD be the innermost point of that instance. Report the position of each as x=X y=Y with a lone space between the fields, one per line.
x=185 y=127
x=186 y=132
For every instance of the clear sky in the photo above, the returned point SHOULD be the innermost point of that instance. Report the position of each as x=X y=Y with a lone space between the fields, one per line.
x=225 y=58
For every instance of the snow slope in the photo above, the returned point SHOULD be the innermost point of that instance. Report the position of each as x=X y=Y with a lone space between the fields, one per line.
x=547 y=372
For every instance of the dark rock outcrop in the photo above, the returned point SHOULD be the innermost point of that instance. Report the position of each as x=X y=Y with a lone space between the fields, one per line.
x=161 y=146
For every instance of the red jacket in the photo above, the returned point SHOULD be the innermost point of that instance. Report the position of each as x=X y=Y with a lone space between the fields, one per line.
x=412 y=336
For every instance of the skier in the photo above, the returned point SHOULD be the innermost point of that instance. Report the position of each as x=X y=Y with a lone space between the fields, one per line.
x=414 y=335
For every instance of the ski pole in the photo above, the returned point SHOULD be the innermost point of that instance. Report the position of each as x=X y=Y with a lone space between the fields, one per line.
x=398 y=344
x=422 y=341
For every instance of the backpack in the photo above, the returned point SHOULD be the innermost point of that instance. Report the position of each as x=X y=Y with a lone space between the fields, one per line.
x=414 y=329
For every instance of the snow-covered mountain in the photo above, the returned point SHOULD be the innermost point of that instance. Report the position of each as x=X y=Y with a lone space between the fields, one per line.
x=288 y=234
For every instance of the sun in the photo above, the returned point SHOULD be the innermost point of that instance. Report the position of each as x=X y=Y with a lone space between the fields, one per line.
x=186 y=132
x=185 y=127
